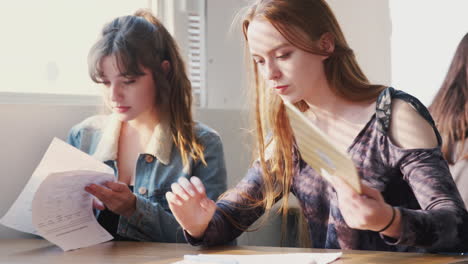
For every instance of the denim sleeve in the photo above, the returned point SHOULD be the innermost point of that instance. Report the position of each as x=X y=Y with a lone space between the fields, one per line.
x=152 y=222
x=74 y=137
x=214 y=175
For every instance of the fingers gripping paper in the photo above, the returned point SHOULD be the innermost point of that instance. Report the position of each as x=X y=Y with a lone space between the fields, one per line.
x=319 y=152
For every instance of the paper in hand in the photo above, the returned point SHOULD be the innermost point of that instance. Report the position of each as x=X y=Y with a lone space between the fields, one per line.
x=61 y=198
x=62 y=210
x=319 y=152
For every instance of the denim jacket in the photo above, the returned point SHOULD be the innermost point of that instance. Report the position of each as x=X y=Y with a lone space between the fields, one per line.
x=156 y=169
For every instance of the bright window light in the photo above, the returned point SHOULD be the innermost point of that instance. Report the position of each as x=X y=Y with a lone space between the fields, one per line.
x=425 y=34
x=45 y=43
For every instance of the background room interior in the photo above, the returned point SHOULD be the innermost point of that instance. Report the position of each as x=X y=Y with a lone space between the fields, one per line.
x=45 y=87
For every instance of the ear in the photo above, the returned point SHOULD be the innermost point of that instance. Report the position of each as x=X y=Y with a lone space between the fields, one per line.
x=327 y=43
x=166 y=66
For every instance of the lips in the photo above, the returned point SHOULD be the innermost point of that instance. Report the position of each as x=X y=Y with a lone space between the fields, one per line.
x=121 y=109
x=281 y=88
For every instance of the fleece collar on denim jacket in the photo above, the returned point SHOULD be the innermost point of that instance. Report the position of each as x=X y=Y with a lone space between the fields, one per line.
x=160 y=144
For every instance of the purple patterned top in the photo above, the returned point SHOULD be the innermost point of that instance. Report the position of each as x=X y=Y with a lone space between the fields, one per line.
x=417 y=181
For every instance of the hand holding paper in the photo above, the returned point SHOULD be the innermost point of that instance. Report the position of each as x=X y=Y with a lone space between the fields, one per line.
x=62 y=213
x=55 y=199
x=367 y=211
x=116 y=196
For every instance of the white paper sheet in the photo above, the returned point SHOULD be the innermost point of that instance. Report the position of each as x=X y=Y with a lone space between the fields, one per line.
x=59 y=157
x=296 y=258
x=62 y=210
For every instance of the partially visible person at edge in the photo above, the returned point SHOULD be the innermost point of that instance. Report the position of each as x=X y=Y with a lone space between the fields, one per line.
x=409 y=201
x=450 y=111
x=150 y=138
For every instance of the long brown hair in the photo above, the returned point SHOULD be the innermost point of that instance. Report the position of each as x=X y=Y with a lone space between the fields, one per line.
x=141 y=40
x=449 y=107
x=302 y=23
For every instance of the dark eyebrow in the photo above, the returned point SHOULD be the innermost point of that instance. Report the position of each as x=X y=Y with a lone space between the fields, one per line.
x=129 y=75
x=283 y=45
x=124 y=75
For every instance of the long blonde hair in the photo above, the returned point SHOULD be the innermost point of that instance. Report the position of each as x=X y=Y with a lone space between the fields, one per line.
x=302 y=23
x=142 y=40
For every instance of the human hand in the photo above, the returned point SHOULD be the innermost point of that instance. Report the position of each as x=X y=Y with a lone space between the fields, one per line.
x=190 y=205
x=98 y=204
x=116 y=196
x=366 y=211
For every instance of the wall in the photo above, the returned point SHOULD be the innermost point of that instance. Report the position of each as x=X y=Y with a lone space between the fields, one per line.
x=225 y=58
x=367 y=28
x=423 y=48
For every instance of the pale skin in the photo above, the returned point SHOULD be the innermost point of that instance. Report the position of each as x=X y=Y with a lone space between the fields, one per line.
x=132 y=100
x=190 y=205
x=298 y=75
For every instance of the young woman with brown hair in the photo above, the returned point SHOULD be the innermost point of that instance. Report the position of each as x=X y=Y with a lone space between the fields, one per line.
x=450 y=111
x=150 y=138
x=298 y=54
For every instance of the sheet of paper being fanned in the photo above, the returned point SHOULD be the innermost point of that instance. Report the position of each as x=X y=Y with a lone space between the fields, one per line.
x=319 y=152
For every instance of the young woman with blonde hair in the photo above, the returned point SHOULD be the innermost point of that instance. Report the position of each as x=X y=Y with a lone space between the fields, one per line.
x=409 y=201
x=150 y=138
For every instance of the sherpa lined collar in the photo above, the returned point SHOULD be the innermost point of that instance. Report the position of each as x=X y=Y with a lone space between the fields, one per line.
x=160 y=144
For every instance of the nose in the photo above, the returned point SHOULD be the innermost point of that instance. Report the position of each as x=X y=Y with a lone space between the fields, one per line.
x=115 y=92
x=272 y=71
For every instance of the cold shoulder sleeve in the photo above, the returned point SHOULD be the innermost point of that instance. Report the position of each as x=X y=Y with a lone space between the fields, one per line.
x=441 y=222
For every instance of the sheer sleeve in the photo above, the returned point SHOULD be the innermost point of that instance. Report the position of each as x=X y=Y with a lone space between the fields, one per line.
x=441 y=223
x=235 y=210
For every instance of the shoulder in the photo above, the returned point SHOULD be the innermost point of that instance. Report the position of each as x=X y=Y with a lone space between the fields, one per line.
x=409 y=128
x=93 y=122
x=211 y=142
x=206 y=133
x=90 y=124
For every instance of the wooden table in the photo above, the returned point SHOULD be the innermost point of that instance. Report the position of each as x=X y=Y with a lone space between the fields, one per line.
x=32 y=251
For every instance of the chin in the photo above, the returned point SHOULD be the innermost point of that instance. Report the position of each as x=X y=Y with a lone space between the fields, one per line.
x=290 y=99
x=124 y=118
